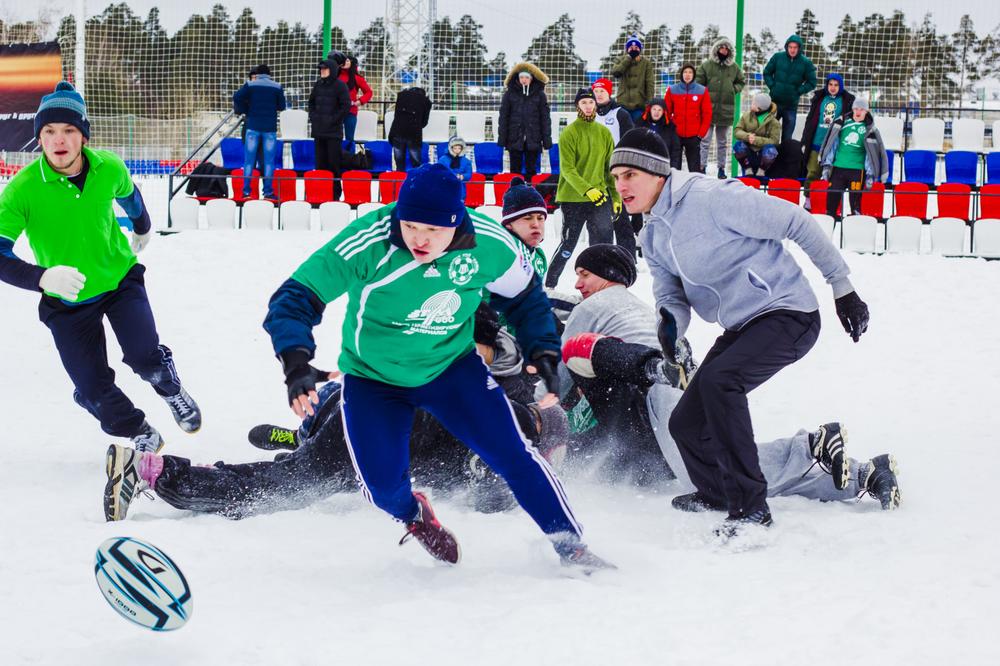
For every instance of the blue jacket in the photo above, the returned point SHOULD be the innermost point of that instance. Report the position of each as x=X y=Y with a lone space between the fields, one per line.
x=464 y=168
x=715 y=246
x=260 y=100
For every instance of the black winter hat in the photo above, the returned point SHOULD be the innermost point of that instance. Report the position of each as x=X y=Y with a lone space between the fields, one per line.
x=584 y=93
x=643 y=149
x=521 y=199
x=611 y=262
x=263 y=69
x=338 y=57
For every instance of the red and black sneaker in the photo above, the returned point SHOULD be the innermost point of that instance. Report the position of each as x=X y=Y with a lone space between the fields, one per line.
x=432 y=535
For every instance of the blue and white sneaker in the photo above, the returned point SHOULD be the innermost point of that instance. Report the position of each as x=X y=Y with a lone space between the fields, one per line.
x=185 y=411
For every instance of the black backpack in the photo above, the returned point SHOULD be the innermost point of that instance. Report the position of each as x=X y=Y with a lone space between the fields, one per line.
x=362 y=160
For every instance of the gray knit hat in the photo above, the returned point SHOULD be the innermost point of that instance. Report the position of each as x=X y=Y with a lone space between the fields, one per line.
x=643 y=149
x=762 y=101
x=861 y=103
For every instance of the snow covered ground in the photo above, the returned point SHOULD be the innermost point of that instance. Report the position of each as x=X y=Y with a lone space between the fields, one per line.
x=832 y=584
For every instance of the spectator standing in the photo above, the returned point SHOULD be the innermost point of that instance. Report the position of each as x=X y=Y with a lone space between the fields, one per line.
x=456 y=160
x=853 y=157
x=636 y=78
x=525 y=126
x=724 y=79
x=618 y=121
x=260 y=100
x=788 y=75
x=757 y=136
x=655 y=118
x=690 y=112
x=329 y=104
x=406 y=134
x=829 y=103
x=359 y=90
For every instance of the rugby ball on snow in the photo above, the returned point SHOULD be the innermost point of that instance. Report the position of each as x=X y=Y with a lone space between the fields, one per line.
x=142 y=584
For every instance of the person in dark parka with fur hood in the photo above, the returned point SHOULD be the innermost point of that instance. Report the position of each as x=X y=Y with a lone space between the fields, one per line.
x=525 y=127
x=723 y=78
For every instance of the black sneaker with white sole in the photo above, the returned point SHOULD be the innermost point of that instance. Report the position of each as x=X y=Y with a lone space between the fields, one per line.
x=878 y=478
x=695 y=503
x=185 y=411
x=827 y=447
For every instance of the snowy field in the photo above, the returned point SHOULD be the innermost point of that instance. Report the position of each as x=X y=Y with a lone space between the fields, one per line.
x=832 y=583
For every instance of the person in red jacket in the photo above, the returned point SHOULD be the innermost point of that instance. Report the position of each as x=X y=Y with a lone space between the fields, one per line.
x=690 y=110
x=359 y=90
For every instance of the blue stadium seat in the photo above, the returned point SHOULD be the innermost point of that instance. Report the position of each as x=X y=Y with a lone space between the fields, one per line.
x=303 y=155
x=961 y=166
x=232 y=153
x=993 y=167
x=440 y=150
x=554 y=158
x=382 y=153
x=919 y=166
x=488 y=158
x=425 y=156
x=279 y=155
x=892 y=165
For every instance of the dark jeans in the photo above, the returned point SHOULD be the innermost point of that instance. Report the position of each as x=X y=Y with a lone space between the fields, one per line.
x=267 y=144
x=787 y=116
x=751 y=159
x=412 y=147
x=78 y=331
x=328 y=158
x=689 y=147
x=575 y=215
x=841 y=180
x=350 y=126
x=711 y=423
x=624 y=226
x=524 y=162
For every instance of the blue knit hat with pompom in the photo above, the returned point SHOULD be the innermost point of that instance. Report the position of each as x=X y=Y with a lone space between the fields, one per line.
x=63 y=105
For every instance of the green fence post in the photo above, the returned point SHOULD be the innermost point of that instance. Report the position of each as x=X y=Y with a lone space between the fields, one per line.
x=327 y=21
x=739 y=62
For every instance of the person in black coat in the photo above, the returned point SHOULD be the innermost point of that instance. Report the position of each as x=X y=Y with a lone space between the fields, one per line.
x=830 y=102
x=413 y=110
x=525 y=126
x=329 y=104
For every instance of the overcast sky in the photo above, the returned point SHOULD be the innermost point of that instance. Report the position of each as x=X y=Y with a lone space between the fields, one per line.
x=509 y=25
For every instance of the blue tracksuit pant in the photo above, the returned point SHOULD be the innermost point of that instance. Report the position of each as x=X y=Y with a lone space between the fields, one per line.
x=78 y=331
x=471 y=405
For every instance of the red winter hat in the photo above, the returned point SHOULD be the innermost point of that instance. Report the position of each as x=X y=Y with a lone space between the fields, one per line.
x=605 y=84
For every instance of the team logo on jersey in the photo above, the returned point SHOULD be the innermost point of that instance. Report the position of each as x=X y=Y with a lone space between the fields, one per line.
x=436 y=316
x=462 y=268
x=694 y=98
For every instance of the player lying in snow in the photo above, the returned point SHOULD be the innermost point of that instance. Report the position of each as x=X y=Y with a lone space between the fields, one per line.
x=612 y=355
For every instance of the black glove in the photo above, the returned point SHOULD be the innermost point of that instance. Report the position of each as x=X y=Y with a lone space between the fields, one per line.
x=300 y=377
x=853 y=314
x=487 y=325
x=666 y=333
x=546 y=362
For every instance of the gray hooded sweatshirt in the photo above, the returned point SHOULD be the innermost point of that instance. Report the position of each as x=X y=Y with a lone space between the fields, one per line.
x=715 y=246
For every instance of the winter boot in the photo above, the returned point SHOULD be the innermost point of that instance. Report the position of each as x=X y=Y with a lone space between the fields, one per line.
x=877 y=477
x=123 y=481
x=185 y=411
x=722 y=173
x=734 y=525
x=272 y=438
x=432 y=535
x=695 y=503
x=148 y=439
x=827 y=447
x=574 y=553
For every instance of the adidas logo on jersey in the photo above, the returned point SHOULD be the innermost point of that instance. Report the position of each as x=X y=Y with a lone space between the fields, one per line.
x=432 y=272
x=491 y=383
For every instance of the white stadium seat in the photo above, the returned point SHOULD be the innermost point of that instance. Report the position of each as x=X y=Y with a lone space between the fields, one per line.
x=389 y=115
x=184 y=212
x=948 y=236
x=986 y=238
x=902 y=234
x=928 y=134
x=367 y=126
x=553 y=224
x=365 y=208
x=496 y=212
x=294 y=124
x=568 y=116
x=294 y=215
x=891 y=130
x=220 y=214
x=258 y=215
x=800 y=126
x=968 y=134
x=334 y=215
x=858 y=233
x=825 y=223
x=996 y=135
x=438 y=127
x=471 y=126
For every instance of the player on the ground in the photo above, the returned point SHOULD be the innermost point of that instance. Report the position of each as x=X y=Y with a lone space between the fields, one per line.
x=414 y=273
x=88 y=270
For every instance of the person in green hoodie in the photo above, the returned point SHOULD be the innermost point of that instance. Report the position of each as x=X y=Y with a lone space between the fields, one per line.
x=757 y=136
x=788 y=75
x=724 y=79
x=636 y=78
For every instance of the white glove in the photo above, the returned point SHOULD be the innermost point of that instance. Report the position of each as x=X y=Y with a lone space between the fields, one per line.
x=63 y=281
x=140 y=241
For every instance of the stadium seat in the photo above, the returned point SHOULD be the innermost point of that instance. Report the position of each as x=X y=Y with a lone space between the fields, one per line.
x=237 y=184
x=555 y=117
x=996 y=135
x=788 y=189
x=389 y=183
x=817 y=196
x=365 y=208
x=319 y=186
x=488 y=158
x=911 y=199
x=496 y=212
x=357 y=187
x=873 y=201
x=961 y=166
x=501 y=183
x=387 y=122
x=303 y=156
x=220 y=214
x=381 y=152
x=258 y=215
x=279 y=155
x=858 y=233
x=986 y=238
x=184 y=212
x=968 y=134
x=367 y=127
x=284 y=185
x=919 y=166
x=294 y=124
x=232 y=153
x=953 y=200
x=438 y=127
x=554 y=158
x=948 y=236
x=993 y=166
x=471 y=126
x=553 y=224
x=825 y=223
x=294 y=215
x=927 y=134
x=902 y=234
x=475 y=191
x=891 y=130
x=750 y=182
x=800 y=126
x=989 y=201
x=334 y=215
x=891 y=159
x=440 y=150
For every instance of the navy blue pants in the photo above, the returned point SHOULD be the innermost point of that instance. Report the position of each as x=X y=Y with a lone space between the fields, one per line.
x=711 y=423
x=471 y=405
x=78 y=331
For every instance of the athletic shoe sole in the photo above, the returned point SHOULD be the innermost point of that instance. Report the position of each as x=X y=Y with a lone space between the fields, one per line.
x=117 y=461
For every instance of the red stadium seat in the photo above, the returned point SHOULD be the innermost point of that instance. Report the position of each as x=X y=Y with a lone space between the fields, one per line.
x=989 y=202
x=389 y=183
x=357 y=187
x=750 y=182
x=953 y=200
x=238 y=185
x=817 y=195
x=475 y=191
x=873 y=201
x=911 y=199
x=501 y=183
x=319 y=186
x=788 y=189
x=284 y=185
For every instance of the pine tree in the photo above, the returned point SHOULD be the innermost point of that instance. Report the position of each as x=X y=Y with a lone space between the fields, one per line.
x=374 y=54
x=965 y=46
x=704 y=46
x=554 y=52
x=632 y=26
x=657 y=48
x=812 y=43
x=683 y=50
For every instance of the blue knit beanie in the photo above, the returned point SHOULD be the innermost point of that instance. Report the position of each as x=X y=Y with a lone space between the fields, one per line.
x=521 y=199
x=431 y=194
x=633 y=41
x=64 y=105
